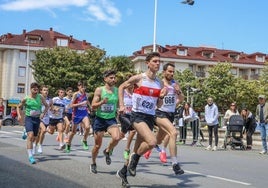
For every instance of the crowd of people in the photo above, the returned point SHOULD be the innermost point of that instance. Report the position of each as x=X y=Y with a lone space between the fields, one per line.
x=141 y=104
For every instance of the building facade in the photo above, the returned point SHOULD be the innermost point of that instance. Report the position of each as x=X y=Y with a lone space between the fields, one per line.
x=17 y=51
x=200 y=59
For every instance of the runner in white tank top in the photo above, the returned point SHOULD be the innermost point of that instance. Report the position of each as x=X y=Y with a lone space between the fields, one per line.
x=148 y=94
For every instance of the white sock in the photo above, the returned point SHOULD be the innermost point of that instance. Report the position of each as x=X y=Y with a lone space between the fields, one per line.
x=29 y=151
x=174 y=160
x=164 y=149
x=61 y=144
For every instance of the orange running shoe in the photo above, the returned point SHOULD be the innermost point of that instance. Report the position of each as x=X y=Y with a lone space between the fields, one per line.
x=163 y=157
x=147 y=154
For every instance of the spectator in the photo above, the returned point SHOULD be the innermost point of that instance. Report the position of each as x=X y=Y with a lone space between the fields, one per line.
x=250 y=125
x=2 y=110
x=189 y=116
x=231 y=111
x=211 y=118
x=262 y=120
x=13 y=113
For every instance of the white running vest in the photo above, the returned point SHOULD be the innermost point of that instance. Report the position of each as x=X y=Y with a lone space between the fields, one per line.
x=127 y=102
x=145 y=97
x=169 y=101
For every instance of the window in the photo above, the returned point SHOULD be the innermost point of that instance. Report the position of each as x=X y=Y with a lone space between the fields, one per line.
x=182 y=52
x=234 y=71
x=62 y=42
x=21 y=88
x=207 y=54
x=260 y=58
x=22 y=71
x=148 y=50
x=234 y=56
x=23 y=55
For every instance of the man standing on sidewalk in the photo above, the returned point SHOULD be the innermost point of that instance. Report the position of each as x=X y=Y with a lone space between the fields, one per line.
x=262 y=121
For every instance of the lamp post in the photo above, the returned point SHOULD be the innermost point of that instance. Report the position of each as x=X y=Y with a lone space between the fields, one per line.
x=188 y=2
x=27 y=68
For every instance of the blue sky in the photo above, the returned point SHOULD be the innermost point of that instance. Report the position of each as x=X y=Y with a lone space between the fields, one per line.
x=122 y=27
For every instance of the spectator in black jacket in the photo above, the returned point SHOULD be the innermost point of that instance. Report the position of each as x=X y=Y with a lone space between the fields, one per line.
x=250 y=125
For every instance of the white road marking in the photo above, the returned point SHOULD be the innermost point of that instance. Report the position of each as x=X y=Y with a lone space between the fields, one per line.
x=220 y=178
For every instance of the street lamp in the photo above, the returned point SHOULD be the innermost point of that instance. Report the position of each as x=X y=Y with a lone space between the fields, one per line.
x=188 y=2
x=27 y=67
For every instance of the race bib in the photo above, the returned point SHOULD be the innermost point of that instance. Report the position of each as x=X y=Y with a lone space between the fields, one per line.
x=35 y=112
x=107 y=108
x=169 y=100
x=147 y=104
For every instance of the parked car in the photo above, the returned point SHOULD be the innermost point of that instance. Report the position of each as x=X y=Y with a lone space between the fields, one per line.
x=8 y=120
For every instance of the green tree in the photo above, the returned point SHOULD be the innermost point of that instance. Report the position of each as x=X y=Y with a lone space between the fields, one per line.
x=220 y=84
x=263 y=80
x=246 y=93
x=122 y=65
x=63 y=67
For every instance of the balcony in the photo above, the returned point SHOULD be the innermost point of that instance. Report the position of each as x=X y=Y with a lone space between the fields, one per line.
x=254 y=77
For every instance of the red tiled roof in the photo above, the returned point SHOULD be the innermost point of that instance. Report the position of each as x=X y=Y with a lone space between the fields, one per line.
x=46 y=39
x=195 y=53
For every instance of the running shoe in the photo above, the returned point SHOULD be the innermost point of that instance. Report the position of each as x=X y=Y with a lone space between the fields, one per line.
x=158 y=148
x=93 y=168
x=209 y=147
x=214 y=148
x=107 y=157
x=39 y=149
x=263 y=152
x=133 y=164
x=123 y=177
x=163 y=157
x=68 y=148
x=126 y=154
x=32 y=160
x=193 y=143
x=62 y=147
x=177 y=169
x=24 y=135
x=84 y=143
x=147 y=154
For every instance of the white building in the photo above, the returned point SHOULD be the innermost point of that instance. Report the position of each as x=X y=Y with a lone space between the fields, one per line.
x=17 y=51
x=200 y=59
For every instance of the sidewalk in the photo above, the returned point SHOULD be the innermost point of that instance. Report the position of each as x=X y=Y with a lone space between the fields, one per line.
x=221 y=132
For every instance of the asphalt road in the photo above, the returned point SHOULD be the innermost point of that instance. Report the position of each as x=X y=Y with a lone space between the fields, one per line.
x=54 y=168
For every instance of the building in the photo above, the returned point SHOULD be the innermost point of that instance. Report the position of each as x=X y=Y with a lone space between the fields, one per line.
x=200 y=59
x=17 y=51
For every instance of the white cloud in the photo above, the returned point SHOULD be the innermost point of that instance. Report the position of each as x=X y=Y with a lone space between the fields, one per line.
x=104 y=10
x=98 y=10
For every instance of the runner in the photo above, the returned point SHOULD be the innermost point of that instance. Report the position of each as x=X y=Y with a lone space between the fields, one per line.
x=44 y=123
x=165 y=117
x=147 y=94
x=124 y=118
x=68 y=113
x=105 y=102
x=57 y=108
x=33 y=106
x=79 y=104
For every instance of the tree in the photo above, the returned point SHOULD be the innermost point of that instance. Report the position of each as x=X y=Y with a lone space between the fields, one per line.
x=263 y=80
x=122 y=65
x=246 y=93
x=63 y=67
x=220 y=84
